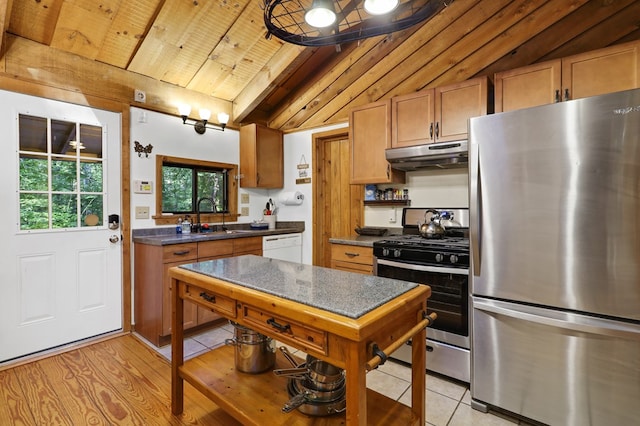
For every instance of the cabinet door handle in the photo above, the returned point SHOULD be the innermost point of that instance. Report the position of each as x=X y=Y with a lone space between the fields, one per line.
x=566 y=94
x=437 y=129
x=431 y=130
x=558 y=96
x=273 y=323
x=208 y=297
x=351 y=254
x=181 y=253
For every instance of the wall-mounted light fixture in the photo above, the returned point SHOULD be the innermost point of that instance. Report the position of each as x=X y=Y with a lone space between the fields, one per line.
x=201 y=126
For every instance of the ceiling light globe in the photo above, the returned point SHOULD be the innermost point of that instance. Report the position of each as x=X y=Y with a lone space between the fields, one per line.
x=379 y=7
x=322 y=14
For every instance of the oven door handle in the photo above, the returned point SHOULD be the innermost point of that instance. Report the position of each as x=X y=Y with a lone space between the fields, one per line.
x=423 y=268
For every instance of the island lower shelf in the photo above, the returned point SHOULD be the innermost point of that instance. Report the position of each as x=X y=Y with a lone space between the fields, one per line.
x=257 y=399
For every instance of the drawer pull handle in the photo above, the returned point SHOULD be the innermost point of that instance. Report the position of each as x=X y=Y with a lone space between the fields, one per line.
x=181 y=253
x=273 y=323
x=352 y=254
x=208 y=297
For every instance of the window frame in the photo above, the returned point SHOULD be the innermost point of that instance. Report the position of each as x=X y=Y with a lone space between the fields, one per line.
x=232 y=201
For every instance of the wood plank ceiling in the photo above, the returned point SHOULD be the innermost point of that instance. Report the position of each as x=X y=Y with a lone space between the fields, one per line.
x=218 y=48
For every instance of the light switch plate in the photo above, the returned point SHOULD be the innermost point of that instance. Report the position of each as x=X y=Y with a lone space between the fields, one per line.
x=142 y=212
x=244 y=198
x=244 y=211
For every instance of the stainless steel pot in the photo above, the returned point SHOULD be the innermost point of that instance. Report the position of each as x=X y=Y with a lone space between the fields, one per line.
x=254 y=352
x=431 y=228
x=313 y=403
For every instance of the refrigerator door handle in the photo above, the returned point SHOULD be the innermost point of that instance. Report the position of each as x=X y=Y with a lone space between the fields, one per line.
x=474 y=205
x=560 y=319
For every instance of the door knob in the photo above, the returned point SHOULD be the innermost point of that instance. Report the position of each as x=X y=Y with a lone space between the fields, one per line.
x=114 y=239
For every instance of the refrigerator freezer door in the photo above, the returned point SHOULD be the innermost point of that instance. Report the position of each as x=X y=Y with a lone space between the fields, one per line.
x=555 y=367
x=555 y=205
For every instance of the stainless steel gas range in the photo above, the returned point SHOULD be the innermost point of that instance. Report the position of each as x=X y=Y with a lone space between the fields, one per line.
x=443 y=264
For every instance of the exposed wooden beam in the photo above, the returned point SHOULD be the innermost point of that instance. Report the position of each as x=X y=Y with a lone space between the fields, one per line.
x=5 y=15
x=277 y=68
x=30 y=61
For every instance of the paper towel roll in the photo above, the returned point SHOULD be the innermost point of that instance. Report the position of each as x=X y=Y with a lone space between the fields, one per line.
x=292 y=198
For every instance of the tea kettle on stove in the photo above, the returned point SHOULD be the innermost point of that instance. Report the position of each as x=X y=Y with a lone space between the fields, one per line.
x=432 y=228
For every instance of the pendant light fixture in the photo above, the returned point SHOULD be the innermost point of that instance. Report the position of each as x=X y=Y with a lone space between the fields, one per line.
x=333 y=22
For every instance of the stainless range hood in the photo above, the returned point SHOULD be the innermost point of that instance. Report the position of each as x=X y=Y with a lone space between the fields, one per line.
x=443 y=155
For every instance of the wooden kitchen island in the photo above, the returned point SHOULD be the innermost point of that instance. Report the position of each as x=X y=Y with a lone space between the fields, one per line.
x=336 y=316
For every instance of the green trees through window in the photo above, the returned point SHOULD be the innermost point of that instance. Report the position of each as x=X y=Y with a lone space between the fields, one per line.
x=61 y=182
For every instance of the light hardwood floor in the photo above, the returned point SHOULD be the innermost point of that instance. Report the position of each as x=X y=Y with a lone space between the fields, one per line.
x=120 y=381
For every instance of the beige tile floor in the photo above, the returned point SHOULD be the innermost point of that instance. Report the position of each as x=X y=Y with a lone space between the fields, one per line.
x=447 y=401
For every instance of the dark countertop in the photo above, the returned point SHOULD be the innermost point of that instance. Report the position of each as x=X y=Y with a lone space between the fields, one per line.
x=167 y=236
x=344 y=293
x=364 y=240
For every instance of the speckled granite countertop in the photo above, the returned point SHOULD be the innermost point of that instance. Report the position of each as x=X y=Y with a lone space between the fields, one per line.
x=167 y=236
x=343 y=293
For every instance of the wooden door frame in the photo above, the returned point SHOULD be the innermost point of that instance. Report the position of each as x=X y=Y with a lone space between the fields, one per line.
x=318 y=146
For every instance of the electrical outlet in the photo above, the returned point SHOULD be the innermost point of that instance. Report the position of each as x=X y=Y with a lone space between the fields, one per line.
x=140 y=96
x=244 y=198
x=244 y=211
x=142 y=212
x=392 y=215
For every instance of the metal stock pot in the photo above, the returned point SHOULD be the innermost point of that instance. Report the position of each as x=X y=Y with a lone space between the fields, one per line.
x=254 y=352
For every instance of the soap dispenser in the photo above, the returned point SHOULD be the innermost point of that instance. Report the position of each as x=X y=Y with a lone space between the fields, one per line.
x=186 y=225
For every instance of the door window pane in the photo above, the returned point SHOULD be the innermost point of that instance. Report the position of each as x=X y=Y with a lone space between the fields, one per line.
x=63 y=174
x=92 y=211
x=34 y=173
x=65 y=210
x=34 y=211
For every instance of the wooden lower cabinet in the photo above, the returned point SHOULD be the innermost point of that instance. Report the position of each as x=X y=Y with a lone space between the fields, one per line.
x=351 y=258
x=152 y=283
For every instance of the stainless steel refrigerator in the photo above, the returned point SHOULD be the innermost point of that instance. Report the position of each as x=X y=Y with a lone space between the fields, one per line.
x=555 y=277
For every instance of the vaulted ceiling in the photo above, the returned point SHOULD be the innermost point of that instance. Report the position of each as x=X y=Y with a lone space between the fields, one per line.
x=218 y=48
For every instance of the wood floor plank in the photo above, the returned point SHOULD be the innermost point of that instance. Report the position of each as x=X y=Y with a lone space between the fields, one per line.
x=43 y=402
x=112 y=402
x=79 y=406
x=14 y=409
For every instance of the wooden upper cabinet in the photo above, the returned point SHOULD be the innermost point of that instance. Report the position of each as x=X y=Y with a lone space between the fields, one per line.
x=370 y=135
x=456 y=104
x=413 y=118
x=608 y=70
x=601 y=71
x=261 y=157
x=438 y=115
x=530 y=86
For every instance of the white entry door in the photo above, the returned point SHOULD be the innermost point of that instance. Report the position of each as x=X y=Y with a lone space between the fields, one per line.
x=61 y=257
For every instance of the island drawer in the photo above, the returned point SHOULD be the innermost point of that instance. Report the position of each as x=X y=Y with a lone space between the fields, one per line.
x=210 y=300
x=285 y=330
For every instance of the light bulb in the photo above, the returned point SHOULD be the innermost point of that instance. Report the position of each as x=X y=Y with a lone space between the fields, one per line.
x=380 y=7
x=322 y=14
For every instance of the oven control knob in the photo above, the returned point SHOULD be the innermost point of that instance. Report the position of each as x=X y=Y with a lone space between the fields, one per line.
x=396 y=253
x=385 y=252
x=453 y=258
x=439 y=257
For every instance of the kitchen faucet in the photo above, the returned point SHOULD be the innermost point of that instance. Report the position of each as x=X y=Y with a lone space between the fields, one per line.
x=198 y=225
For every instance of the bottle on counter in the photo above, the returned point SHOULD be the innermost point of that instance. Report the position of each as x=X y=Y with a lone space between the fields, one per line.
x=179 y=226
x=186 y=225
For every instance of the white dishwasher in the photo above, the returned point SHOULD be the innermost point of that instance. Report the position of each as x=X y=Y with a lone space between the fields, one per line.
x=283 y=247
